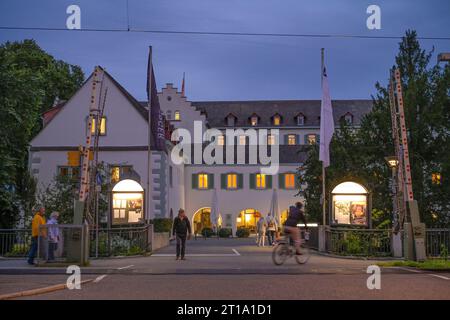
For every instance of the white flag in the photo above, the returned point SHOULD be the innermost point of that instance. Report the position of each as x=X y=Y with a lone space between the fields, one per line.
x=326 y=122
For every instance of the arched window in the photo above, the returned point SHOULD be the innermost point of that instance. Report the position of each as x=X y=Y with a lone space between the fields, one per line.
x=276 y=120
x=348 y=117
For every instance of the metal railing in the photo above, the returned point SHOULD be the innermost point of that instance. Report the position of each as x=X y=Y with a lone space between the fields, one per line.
x=359 y=242
x=437 y=242
x=15 y=242
x=119 y=241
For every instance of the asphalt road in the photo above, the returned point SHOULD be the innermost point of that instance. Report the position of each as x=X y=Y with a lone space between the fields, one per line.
x=227 y=269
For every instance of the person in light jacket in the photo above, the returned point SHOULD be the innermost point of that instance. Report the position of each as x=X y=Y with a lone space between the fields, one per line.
x=271 y=229
x=53 y=235
x=261 y=232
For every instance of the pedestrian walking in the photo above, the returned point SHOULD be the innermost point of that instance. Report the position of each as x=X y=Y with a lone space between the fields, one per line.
x=53 y=235
x=37 y=221
x=271 y=229
x=261 y=232
x=182 y=231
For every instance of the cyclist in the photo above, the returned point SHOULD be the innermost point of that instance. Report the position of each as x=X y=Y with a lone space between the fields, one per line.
x=296 y=215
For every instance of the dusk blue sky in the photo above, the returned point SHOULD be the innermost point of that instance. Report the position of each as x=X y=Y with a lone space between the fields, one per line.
x=227 y=67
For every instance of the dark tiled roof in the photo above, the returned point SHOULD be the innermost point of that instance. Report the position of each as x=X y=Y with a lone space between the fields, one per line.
x=217 y=111
x=295 y=154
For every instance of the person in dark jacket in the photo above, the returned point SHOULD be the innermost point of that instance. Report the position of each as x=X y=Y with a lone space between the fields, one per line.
x=182 y=231
x=296 y=215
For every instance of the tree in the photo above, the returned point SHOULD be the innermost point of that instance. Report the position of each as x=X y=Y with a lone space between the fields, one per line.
x=360 y=154
x=30 y=81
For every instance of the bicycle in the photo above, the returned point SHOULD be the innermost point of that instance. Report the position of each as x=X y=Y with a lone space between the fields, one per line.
x=285 y=249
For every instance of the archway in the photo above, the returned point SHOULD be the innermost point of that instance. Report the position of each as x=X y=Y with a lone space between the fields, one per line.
x=201 y=220
x=248 y=218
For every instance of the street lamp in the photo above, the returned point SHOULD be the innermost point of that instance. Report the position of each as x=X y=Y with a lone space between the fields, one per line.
x=392 y=162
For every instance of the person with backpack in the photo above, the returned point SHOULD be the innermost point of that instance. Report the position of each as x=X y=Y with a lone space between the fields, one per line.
x=182 y=230
x=271 y=229
x=296 y=215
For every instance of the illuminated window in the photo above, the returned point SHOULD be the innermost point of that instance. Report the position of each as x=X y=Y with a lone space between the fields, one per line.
x=260 y=181
x=271 y=139
x=291 y=139
x=254 y=121
x=127 y=202
x=118 y=173
x=220 y=140
x=436 y=178
x=70 y=172
x=289 y=180
x=242 y=140
x=276 y=120
x=102 y=126
x=177 y=116
x=232 y=181
x=311 y=139
x=203 y=181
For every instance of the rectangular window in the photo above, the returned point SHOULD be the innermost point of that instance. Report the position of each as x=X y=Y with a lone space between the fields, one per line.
x=300 y=120
x=203 y=181
x=118 y=172
x=69 y=171
x=276 y=121
x=436 y=178
x=177 y=116
x=220 y=140
x=254 y=121
x=289 y=181
x=232 y=181
x=271 y=140
x=291 y=140
x=102 y=126
x=242 y=140
x=260 y=181
x=311 y=139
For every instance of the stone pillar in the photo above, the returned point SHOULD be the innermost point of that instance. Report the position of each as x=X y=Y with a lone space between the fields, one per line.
x=322 y=238
x=396 y=245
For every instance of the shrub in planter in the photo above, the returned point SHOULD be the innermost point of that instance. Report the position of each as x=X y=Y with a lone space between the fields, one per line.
x=162 y=224
x=243 y=232
x=207 y=232
x=225 y=233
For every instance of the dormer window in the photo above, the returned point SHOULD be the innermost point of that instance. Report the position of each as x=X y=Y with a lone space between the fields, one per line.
x=276 y=120
x=348 y=117
x=300 y=120
x=231 y=120
x=177 y=116
x=254 y=120
x=169 y=114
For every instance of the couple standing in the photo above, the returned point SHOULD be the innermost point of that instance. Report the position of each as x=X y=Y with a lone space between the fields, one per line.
x=266 y=226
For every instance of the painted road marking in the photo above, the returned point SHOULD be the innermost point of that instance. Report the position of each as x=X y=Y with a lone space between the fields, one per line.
x=121 y=268
x=407 y=269
x=100 y=278
x=439 y=276
x=235 y=251
x=419 y=271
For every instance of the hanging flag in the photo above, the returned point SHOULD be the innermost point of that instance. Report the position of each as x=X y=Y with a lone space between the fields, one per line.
x=156 y=117
x=183 y=94
x=326 y=122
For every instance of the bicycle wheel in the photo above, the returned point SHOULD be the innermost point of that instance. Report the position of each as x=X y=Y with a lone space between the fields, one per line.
x=304 y=257
x=280 y=253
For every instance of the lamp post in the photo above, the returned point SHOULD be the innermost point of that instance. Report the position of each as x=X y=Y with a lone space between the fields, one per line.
x=392 y=162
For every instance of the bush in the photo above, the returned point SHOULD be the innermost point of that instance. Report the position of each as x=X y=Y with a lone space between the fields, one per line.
x=162 y=224
x=207 y=232
x=225 y=233
x=243 y=232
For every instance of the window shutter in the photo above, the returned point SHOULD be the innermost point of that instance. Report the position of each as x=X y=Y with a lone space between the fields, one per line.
x=306 y=139
x=286 y=139
x=223 y=180
x=298 y=139
x=269 y=182
x=194 y=181
x=317 y=138
x=281 y=181
x=211 y=181
x=252 y=180
x=240 y=178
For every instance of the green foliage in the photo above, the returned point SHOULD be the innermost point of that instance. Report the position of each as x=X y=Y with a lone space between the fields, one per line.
x=444 y=252
x=18 y=250
x=207 y=232
x=225 y=232
x=242 y=232
x=162 y=224
x=358 y=155
x=30 y=80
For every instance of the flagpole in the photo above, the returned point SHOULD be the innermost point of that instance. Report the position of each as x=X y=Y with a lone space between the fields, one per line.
x=149 y=153
x=322 y=56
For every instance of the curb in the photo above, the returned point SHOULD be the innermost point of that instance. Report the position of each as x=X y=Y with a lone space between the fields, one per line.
x=34 y=292
x=361 y=258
